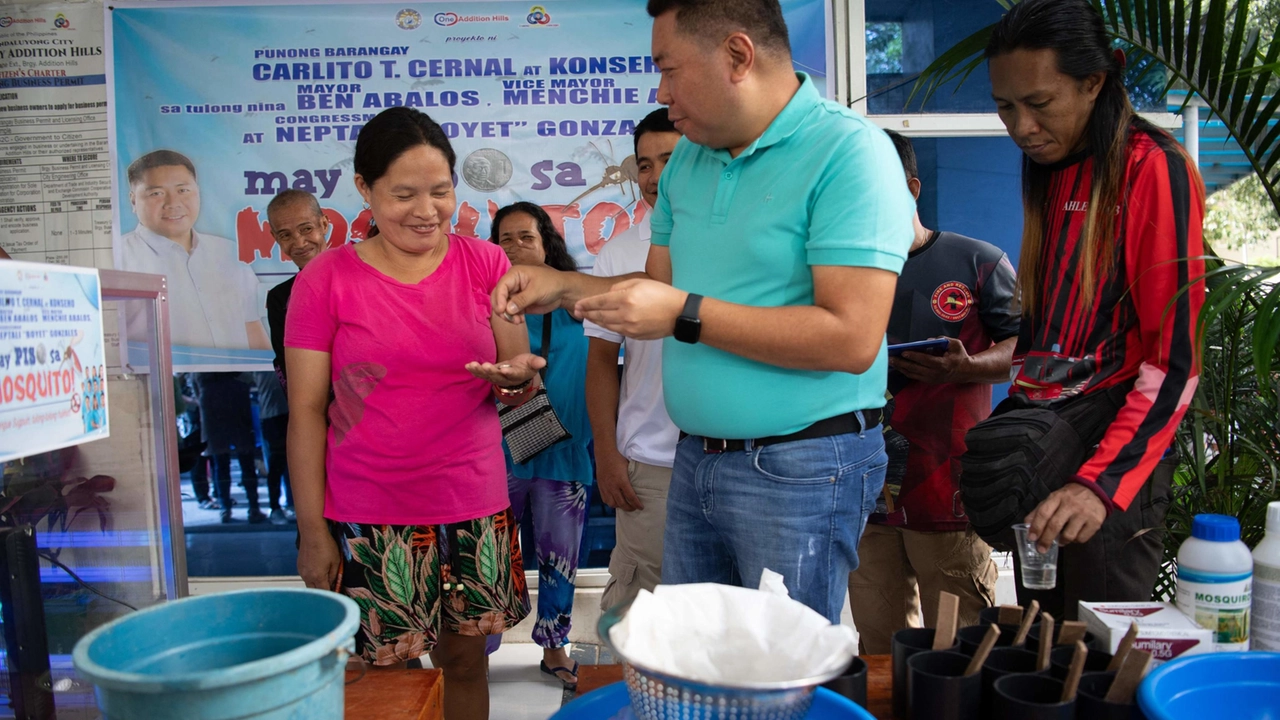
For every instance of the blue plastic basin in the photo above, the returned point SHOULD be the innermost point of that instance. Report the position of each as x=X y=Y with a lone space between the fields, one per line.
x=611 y=702
x=276 y=654
x=1239 y=685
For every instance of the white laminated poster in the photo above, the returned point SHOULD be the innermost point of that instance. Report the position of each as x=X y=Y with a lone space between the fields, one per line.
x=55 y=168
x=53 y=389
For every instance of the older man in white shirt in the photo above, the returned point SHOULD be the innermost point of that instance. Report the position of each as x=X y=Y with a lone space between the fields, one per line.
x=213 y=297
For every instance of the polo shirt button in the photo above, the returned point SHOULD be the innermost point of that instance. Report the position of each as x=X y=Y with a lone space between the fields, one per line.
x=728 y=176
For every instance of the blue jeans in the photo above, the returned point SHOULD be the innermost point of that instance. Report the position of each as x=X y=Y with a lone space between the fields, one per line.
x=797 y=508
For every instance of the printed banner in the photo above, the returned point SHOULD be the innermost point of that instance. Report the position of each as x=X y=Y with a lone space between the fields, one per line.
x=55 y=170
x=53 y=390
x=540 y=101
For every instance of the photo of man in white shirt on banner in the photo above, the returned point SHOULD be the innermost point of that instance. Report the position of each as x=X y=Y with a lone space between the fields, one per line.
x=213 y=297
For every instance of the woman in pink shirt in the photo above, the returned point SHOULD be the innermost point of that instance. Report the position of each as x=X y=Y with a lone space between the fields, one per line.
x=400 y=481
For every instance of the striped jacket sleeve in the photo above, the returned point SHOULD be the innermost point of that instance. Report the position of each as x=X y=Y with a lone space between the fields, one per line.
x=1162 y=250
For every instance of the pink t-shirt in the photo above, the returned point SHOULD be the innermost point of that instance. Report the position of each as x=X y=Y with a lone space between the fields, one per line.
x=413 y=439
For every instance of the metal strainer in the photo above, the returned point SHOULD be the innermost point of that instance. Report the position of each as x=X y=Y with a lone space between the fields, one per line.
x=659 y=696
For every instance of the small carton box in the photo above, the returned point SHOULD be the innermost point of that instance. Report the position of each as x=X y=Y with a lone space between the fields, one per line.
x=1163 y=630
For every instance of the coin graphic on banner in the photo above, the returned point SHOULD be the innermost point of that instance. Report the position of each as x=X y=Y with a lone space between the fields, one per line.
x=487 y=170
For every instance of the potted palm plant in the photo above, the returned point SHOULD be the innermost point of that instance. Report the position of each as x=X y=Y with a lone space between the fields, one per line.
x=1229 y=443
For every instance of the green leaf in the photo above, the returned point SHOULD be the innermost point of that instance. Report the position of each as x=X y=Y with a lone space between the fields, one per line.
x=363 y=552
x=393 y=616
x=363 y=598
x=951 y=64
x=479 y=598
x=398 y=573
x=428 y=581
x=487 y=557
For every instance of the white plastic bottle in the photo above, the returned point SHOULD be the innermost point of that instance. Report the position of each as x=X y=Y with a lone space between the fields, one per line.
x=1265 y=618
x=1215 y=572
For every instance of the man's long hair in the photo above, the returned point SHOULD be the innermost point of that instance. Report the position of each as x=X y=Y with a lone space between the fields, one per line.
x=1076 y=34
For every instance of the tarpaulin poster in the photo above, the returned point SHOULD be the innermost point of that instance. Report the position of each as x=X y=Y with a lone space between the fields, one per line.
x=53 y=389
x=539 y=100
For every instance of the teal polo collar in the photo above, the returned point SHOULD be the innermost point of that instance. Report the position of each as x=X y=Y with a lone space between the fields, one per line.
x=787 y=122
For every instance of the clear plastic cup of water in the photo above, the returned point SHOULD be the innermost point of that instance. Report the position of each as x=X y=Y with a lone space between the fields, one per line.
x=1039 y=570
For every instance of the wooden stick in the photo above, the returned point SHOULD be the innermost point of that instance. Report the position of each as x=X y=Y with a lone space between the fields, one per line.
x=1046 y=644
x=1021 y=638
x=1010 y=614
x=1128 y=678
x=1126 y=644
x=1072 y=682
x=980 y=657
x=1072 y=630
x=944 y=634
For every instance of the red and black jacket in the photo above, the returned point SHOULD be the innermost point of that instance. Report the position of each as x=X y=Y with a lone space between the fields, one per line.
x=1130 y=332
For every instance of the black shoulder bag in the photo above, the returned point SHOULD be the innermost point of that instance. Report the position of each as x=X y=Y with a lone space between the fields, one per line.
x=533 y=426
x=1019 y=455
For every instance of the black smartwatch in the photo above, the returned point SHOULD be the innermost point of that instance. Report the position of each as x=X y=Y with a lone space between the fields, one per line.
x=688 y=326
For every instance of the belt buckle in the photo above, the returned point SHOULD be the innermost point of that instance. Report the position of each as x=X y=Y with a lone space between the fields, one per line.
x=708 y=446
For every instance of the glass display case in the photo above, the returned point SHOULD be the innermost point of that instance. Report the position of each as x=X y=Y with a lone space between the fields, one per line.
x=106 y=516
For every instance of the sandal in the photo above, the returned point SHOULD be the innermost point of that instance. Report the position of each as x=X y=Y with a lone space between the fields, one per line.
x=554 y=672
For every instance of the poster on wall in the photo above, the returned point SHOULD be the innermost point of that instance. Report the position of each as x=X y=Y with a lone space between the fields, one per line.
x=539 y=100
x=53 y=390
x=55 y=169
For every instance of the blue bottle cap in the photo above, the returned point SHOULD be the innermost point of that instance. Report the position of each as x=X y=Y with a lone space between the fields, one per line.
x=1215 y=528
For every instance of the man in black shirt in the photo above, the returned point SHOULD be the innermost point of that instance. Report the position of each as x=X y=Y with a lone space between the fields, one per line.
x=301 y=230
x=918 y=542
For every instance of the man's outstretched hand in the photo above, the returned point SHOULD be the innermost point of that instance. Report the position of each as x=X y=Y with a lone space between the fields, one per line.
x=527 y=289
x=639 y=309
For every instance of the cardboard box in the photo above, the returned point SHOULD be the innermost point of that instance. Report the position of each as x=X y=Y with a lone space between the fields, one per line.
x=1163 y=630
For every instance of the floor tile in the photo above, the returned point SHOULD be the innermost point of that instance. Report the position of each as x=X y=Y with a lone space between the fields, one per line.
x=524 y=700
x=517 y=662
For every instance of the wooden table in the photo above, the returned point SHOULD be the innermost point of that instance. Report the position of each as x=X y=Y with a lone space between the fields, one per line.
x=395 y=695
x=879 y=682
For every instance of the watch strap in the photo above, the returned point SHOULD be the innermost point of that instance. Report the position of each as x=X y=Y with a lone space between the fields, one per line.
x=692 y=305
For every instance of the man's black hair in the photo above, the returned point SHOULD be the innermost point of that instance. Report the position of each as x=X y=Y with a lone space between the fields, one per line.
x=156 y=159
x=656 y=121
x=906 y=153
x=714 y=20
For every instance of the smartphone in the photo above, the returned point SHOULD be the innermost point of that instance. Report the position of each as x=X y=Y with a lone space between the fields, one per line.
x=936 y=346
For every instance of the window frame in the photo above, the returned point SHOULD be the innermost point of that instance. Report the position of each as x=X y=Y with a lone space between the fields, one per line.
x=851 y=89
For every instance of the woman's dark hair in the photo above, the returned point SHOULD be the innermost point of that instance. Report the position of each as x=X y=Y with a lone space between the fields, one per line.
x=553 y=245
x=1074 y=30
x=390 y=134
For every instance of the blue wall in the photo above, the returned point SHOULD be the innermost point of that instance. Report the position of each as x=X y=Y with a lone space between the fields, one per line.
x=972 y=186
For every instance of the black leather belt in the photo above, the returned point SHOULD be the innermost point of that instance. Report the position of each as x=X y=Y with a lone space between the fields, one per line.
x=838 y=425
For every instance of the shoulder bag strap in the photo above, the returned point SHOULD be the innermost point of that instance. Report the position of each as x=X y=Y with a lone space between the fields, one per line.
x=545 y=350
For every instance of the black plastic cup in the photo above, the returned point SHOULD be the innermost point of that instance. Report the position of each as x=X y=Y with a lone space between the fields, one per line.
x=852 y=683
x=971 y=637
x=1060 y=661
x=908 y=642
x=986 y=616
x=938 y=689
x=1003 y=661
x=1091 y=703
x=1033 y=637
x=1030 y=697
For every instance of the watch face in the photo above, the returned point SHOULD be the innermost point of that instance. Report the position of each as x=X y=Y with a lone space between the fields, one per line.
x=688 y=329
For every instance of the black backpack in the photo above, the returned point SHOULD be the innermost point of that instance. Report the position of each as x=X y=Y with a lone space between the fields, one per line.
x=1020 y=454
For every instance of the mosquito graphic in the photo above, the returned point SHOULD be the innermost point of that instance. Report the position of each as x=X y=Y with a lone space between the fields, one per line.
x=626 y=174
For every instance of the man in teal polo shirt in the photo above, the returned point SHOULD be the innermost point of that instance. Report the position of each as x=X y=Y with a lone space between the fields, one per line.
x=781 y=225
